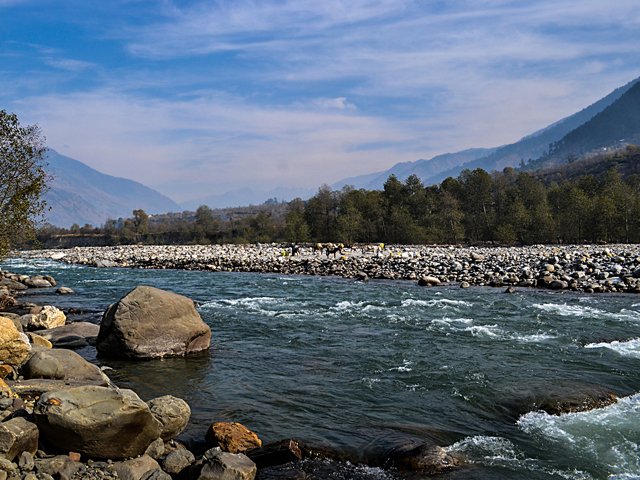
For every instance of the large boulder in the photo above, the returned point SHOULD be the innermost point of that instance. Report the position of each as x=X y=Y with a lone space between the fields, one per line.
x=148 y=322
x=173 y=413
x=59 y=364
x=14 y=345
x=96 y=422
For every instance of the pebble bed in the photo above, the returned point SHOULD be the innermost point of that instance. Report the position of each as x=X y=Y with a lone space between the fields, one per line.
x=587 y=268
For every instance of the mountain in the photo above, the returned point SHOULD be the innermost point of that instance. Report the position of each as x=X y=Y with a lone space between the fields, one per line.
x=532 y=146
x=615 y=126
x=421 y=168
x=79 y=194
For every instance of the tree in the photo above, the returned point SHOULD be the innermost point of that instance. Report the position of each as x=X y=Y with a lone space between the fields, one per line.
x=22 y=179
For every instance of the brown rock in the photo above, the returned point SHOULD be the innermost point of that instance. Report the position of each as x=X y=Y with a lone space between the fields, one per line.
x=232 y=437
x=16 y=436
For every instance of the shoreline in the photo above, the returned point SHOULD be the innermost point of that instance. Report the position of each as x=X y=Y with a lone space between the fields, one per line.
x=584 y=268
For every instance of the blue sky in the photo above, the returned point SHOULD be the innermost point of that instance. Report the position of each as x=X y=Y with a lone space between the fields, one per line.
x=200 y=97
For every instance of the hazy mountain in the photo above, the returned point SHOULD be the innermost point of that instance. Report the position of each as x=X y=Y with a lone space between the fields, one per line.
x=79 y=194
x=247 y=196
x=422 y=168
x=536 y=144
x=529 y=147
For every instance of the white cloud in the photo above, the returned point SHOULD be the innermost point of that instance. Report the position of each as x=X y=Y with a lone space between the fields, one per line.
x=210 y=143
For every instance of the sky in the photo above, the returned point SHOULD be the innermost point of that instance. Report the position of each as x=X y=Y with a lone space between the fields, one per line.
x=202 y=97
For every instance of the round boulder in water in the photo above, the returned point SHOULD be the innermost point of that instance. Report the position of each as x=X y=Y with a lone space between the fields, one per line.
x=149 y=323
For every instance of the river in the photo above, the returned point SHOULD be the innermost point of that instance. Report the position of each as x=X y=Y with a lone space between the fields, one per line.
x=361 y=366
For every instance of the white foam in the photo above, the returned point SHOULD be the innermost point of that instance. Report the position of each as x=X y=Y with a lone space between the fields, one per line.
x=440 y=303
x=534 y=338
x=630 y=348
x=484 y=330
x=607 y=437
x=565 y=310
x=405 y=367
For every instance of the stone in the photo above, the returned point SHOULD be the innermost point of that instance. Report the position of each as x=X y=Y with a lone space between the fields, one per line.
x=558 y=285
x=156 y=474
x=38 y=340
x=177 y=461
x=135 y=468
x=172 y=413
x=464 y=285
x=49 y=317
x=97 y=422
x=71 y=335
x=155 y=449
x=148 y=322
x=428 y=280
x=60 y=466
x=25 y=462
x=65 y=291
x=14 y=345
x=279 y=453
x=37 y=281
x=219 y=465
x=426 y=459
x=17 y=435
x=232 y=437
x=12 y=284
x=60 y=364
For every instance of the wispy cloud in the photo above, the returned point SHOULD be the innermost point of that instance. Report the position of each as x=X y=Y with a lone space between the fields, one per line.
x=215 y=141
x=68 y=64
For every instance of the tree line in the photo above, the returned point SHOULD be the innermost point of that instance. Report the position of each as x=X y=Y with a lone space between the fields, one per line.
x=509 y=207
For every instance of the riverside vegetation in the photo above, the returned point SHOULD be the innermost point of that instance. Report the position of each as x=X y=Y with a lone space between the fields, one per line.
x=591 y=200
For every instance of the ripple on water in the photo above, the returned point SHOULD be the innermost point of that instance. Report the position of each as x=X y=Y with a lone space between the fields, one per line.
x=630 y=348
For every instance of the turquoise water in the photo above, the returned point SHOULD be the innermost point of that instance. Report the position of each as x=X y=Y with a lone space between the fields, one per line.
x=362 y=367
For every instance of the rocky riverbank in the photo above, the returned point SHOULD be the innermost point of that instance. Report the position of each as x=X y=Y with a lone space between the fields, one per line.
x=587 y=268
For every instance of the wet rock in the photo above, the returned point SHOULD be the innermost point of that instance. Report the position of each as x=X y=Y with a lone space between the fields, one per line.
x=172 y=413
x=426 y=459
x=278 y=453
x=59 y=364
x=232 y=437
x=17 y=435
x=14 y=345
x=12 y=284
x=65 y=291
x=149 y=322
x=97 y=422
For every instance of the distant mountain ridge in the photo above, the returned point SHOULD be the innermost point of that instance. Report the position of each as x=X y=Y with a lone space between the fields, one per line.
x=530 y=147
x=82 y=195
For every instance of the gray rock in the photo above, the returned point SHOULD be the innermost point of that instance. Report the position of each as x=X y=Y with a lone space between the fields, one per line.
x=25 y=462
x=156 y=449
x=71 y=335
x=12 y=284
x=219 y=465
x=172 y=413
x=64 y=291
x=135 y=468
x=149 y=322
x=156 y=474
x=97 y=422
x=17 y=435
x=177 y=461
x=428 y=280
x=59 y=364
x=37 y=281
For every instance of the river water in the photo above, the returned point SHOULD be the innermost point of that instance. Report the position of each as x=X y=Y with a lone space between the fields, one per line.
x=364 y=366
